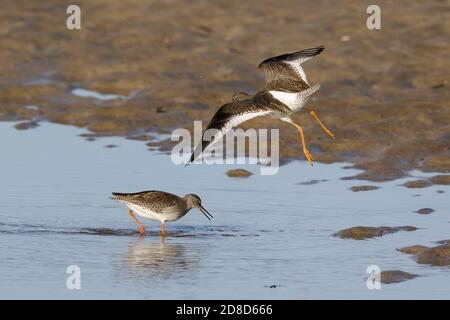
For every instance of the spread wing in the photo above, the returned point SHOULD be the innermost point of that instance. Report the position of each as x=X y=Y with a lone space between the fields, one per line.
x=285 y=73
x=227 y=117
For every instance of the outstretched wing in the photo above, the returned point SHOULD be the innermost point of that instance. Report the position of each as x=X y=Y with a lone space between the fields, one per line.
x=285 y=73
x=227 y=117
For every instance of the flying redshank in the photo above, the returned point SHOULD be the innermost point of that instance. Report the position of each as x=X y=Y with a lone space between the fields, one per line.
x=287 y=91
x=159 y=205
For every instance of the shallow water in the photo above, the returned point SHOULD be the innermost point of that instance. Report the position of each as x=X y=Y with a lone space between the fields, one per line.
x=55 y=211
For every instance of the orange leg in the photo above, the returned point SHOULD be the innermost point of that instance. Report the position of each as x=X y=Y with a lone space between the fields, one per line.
x=315 y=116
x=305 y=148
x=163 y=230
x=141 y=227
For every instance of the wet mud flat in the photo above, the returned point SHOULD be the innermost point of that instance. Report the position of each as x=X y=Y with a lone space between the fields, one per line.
x=139 y=66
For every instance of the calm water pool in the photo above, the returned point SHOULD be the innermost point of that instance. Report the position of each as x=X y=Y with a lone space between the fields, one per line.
x=55 y=211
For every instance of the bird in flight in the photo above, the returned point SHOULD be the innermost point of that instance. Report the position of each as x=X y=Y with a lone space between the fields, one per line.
x=287 y=91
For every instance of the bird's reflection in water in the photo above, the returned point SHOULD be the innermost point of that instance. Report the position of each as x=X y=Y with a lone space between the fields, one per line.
x=160 y=260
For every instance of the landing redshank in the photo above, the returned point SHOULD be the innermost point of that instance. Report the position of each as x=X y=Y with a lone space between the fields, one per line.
x=287 y=91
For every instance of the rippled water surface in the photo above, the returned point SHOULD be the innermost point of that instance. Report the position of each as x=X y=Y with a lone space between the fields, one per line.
x=268 y=231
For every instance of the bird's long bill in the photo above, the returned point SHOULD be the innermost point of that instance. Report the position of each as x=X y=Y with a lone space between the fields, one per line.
x=205 y=212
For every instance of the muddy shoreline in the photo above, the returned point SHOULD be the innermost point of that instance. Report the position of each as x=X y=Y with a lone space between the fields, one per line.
x=384 y=93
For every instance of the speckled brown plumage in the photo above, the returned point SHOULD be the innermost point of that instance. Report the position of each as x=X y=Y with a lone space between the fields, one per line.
x=157 y=201
x=159 y=205
x=287 y=85
x=281 y=75
x=260 y=103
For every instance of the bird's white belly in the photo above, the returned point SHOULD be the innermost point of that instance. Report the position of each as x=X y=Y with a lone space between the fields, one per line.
x=152 y=215
x=293 y=101
x=144 y=212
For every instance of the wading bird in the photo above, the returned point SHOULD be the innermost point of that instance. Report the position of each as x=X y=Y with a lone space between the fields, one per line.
x=287 y=91
x=159 y=205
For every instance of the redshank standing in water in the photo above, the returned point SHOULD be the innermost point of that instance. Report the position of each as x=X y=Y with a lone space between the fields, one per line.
x=159 y=205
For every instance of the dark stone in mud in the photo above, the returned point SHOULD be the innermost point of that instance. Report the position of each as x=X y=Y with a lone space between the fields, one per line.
x=441 y=179
x=360 y=233
x=111 y=146
x=363 y=188
x=438 y=86
x=239 y=173
x=394 y=276
x=272 y=286
x=26 y=125
x=417 y=184
x=435 y=256
x=424 y=211
x=440 y=191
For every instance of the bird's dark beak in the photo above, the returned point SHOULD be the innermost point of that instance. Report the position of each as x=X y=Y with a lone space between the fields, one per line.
x=205 y=212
